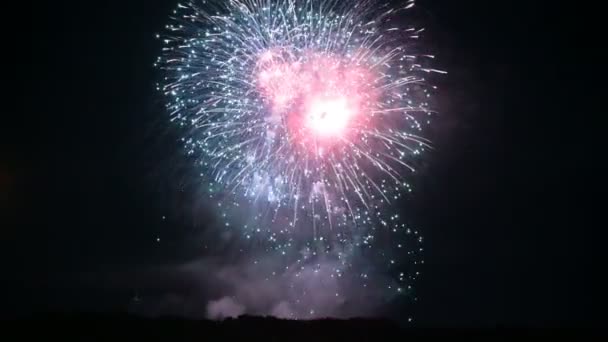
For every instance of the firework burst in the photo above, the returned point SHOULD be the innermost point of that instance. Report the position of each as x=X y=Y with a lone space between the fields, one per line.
x=312 y=112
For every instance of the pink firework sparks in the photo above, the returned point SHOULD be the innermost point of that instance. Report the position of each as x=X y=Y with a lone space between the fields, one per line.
x=321 y=98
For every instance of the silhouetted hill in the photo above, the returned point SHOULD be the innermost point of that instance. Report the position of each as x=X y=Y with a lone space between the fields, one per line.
x=120 y=327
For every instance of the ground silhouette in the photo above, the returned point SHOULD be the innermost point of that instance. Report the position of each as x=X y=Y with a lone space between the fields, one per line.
x=126 y=327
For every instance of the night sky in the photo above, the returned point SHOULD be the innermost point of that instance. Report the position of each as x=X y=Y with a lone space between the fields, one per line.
x=97 y=201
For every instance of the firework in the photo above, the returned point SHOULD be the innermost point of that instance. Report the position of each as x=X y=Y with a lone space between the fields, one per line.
x=310 y=112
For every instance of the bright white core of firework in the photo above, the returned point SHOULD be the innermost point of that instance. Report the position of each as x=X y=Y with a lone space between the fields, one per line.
x=328 y=117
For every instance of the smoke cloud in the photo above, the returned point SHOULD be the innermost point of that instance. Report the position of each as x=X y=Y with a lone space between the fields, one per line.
x=219 y=290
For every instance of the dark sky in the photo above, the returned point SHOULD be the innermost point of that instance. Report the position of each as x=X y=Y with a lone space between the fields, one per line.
x=89 y=167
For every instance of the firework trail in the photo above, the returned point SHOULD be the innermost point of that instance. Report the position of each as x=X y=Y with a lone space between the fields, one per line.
x=308 y=113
